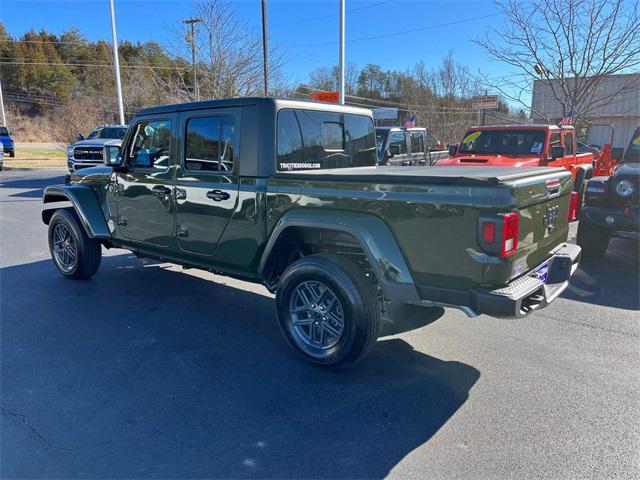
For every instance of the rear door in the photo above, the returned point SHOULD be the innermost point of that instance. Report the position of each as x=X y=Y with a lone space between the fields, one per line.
x=418 y=142
x=206 y=185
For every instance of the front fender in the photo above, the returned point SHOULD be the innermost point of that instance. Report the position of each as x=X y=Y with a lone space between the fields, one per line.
x=375 y=237
x=84 y=202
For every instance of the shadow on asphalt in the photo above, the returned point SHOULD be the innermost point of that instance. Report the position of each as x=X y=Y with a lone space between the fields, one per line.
x=144 y=372
x=34 y=186
x=612 y=280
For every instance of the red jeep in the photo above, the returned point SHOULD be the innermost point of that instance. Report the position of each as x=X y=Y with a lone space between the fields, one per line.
x=524 y=146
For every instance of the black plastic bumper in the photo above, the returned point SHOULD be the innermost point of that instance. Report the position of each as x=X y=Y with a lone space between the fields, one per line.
x=528 y=293
x=626 y=219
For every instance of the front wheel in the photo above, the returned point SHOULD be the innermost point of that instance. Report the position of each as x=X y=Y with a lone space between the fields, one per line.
x=593 y=239
x=74 y=254
x=328 y=310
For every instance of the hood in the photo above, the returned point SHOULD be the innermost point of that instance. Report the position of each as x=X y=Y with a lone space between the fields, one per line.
x=629 y=169
x=6 y=140
x=489 y=161
x=97 y=142
x=97 y=174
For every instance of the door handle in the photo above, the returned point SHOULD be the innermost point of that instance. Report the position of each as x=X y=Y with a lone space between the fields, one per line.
x=217 y=195
x=161 y=191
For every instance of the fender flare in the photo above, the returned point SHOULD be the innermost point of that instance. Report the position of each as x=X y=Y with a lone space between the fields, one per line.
x=375 y=237
x=584 y=172
x=84 y=202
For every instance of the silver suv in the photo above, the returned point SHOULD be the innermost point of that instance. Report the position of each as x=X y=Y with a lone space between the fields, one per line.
x=88 y=152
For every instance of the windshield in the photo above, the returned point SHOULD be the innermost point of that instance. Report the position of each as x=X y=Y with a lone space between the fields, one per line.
x=4 y=132
x=108 y=132
x=503 y=142
x=632 y=155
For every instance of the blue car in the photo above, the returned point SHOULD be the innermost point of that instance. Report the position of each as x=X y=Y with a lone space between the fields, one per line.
x=7 y=142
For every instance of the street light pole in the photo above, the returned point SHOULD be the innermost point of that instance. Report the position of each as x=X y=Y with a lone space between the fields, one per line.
x=116 y=62
x=341 y=67
x=265 y=51
x=192 y=22
x=4 y=120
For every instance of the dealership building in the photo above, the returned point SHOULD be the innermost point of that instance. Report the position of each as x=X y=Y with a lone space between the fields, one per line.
x=621 y=108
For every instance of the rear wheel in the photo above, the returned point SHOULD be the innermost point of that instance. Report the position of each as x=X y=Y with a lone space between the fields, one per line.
x=593 y=239
x=74 y=254
x=328 y=310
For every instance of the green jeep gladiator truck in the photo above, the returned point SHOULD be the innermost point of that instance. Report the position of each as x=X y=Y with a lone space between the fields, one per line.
x=287 y=194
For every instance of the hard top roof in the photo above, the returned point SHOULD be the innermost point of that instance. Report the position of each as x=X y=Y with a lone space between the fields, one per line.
x=246 y=101
x=529 y=126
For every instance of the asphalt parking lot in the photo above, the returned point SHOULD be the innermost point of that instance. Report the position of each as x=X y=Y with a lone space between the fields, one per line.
x=147 y=371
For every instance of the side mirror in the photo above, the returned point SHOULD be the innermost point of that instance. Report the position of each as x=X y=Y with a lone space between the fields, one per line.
x=79 y=137
x=394 y=149
x=557 y=152
x=452 y=150
x=111 y=156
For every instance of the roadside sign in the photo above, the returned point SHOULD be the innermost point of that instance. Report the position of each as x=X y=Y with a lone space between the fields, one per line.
x=485 y=102
x=331 y=97
x=385 y=113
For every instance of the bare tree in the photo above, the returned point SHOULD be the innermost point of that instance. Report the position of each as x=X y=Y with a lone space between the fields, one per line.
x=229 y=55
x=571 y=45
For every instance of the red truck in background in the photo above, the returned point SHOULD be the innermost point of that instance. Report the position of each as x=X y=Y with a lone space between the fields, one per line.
x=525 y=146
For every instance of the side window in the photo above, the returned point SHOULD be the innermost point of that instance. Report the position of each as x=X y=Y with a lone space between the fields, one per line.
x=397 y=143
x=151 y=145
x=312 y=140
x=417 y=142
x=289 y=141
x=568 y=143
x=555 y=140
x=209 y=144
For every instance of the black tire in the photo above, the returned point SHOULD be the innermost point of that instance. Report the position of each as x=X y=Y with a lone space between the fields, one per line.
x=593 y=239
x=356 y=301
x=88 y=252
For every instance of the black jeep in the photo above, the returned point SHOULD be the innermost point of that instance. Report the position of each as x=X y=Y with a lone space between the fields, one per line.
x=611 y=204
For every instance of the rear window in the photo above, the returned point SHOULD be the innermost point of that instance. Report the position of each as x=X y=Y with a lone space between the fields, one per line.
x=312 y=140
x=4 y=132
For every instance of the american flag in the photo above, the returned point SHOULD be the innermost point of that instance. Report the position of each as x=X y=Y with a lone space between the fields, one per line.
x=568 y=120
x=411 y=122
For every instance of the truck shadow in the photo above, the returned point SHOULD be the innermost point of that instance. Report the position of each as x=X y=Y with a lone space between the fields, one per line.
x=147 y=372
x=34 y=187
x=612 y=280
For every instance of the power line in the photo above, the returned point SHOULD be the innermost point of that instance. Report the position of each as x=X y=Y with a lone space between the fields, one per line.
x=402 y=32
x=322 y=17
x=103 y=65
x=88 y=43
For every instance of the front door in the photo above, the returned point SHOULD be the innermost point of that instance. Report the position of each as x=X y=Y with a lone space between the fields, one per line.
x=144 y=188
x=206 y=186
x=398 y=149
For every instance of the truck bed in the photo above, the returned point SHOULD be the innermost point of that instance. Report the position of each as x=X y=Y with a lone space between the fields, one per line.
x=422 y=175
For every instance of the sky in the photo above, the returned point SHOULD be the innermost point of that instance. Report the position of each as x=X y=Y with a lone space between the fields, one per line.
x=394 y=34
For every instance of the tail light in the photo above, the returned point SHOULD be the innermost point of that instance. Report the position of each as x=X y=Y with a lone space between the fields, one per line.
x=509 y=234
x=572 y=214
x=498 y=235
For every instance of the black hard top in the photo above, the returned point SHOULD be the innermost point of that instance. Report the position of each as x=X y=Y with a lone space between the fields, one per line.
x=437 y=175
x=272 y=102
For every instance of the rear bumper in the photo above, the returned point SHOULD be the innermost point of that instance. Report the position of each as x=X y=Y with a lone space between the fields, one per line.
x=613 y=218
x=520 y=297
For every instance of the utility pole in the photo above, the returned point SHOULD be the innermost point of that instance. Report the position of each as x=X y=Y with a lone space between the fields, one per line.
x=192 y=22
x=265 y=51
x=4 y=120
x=116 y=62
x=341 y=66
